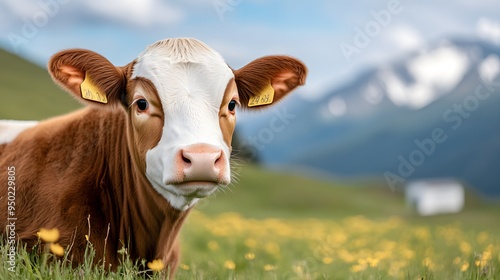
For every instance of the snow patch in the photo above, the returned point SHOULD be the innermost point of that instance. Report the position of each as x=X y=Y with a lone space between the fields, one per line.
x=415 y=96
x=489 y=68
x=442 y=68
x=434 y=73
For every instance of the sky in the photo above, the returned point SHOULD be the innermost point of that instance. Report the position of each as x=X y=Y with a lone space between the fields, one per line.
x=335 y=39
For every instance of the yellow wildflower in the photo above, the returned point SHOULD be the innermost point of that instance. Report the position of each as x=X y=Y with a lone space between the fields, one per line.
x=229 y=264
x=464 y=267
x=408 y=254
x=373 y=262
x=327 y=260
x=346 y=256
x=465 y=247
x=57 y=249
x=428 y=263
x=184 y=266
x=48 y=235
x=156 y=265
x=269 y=267
x=249 y=256
x=298 y=269
x=358 y=267
x=486 y=256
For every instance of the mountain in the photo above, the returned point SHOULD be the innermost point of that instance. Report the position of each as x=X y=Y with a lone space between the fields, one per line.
x=27 y=91
x=432 y=114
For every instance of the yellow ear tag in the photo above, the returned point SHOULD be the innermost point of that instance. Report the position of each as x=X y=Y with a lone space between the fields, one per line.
x=265 y=97
x=91 y=92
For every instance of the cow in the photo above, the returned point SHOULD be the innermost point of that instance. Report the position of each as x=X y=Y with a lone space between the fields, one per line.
x=126 y=169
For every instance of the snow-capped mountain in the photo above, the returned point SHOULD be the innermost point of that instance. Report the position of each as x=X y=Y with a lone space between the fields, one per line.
x=434 y=113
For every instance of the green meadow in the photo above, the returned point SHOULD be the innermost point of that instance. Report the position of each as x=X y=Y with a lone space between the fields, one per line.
x=274 y=225
x=279 y=225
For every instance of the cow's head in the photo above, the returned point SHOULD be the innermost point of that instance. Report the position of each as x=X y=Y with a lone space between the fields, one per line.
x=181 y=99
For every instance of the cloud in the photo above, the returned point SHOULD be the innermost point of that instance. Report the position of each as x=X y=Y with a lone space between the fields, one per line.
x=140 y=13
x=404 y=37
x=136 y=12
x=488 y=30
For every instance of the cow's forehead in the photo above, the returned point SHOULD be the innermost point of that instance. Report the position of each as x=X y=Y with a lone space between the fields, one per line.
x=182 y=65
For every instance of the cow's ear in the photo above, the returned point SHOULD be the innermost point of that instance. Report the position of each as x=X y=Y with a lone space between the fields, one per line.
x=88 y=76
x=268 y=79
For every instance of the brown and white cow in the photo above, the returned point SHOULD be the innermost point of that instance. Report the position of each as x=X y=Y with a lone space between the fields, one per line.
x=139 y=162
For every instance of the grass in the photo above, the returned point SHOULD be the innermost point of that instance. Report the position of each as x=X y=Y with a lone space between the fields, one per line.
x=46 y=265
x=231 y=246
x=283 y=226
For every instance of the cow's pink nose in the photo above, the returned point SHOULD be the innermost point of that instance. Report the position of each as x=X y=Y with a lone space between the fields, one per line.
x=201 y=162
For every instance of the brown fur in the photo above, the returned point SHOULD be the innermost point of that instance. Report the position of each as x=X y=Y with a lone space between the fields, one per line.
x=76 y=62
x=227 y=120
x=284 y=73
x=85 y=172
x=83 y=167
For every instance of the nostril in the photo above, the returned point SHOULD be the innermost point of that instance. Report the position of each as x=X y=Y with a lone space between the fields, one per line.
x=218 y=160
x=185 y=159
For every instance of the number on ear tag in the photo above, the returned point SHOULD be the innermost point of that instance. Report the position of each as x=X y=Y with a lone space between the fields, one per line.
x=265 y=97
x=91 y=92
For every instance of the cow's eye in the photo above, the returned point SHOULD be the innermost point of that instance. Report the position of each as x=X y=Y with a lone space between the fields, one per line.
x=142 y=104
x=232 y=105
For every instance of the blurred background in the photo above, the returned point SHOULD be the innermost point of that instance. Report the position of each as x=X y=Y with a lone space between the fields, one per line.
x=398 y=91
x=387 y=162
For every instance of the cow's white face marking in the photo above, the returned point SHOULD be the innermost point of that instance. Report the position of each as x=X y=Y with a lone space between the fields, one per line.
x=9 y=130
x=191 y=80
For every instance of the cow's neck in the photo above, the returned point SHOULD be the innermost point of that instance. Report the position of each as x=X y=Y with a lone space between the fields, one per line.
x=147 y=224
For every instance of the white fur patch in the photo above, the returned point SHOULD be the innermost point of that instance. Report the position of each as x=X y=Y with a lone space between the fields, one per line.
x=10 y=129
x=190 y=79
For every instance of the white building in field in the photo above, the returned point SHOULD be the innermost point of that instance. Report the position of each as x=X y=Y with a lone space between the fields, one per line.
x=435 y=196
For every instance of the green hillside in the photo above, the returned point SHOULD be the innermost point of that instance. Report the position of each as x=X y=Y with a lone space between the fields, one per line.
x=27 y=91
